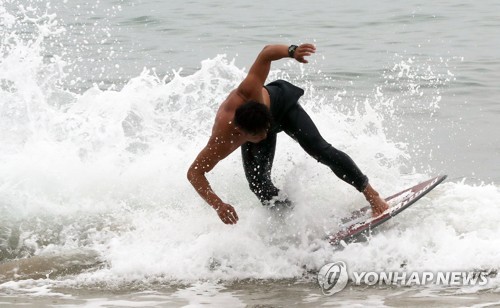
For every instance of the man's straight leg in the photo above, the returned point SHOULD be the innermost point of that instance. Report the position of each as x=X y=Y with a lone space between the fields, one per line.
x=299 y=126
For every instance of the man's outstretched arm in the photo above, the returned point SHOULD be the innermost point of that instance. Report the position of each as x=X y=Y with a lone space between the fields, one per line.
x=251 y=86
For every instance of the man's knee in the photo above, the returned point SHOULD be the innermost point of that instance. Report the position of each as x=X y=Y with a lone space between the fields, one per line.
x=321 y=150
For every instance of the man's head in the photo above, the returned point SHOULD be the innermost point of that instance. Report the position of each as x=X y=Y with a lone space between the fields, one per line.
x=253 y=118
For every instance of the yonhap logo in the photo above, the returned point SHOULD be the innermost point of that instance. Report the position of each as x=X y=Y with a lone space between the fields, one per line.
x=332 y=277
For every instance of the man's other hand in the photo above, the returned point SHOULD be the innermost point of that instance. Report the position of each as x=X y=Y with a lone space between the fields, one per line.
x=302 y=51
x=227 y=214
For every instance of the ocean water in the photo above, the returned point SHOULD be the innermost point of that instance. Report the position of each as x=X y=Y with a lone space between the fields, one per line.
x=105 y=104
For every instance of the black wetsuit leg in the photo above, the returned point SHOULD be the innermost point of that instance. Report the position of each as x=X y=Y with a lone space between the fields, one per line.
x=258 y=162
x=298 y=125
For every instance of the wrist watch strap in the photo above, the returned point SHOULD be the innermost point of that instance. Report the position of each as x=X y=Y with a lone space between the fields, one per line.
x=291 y=50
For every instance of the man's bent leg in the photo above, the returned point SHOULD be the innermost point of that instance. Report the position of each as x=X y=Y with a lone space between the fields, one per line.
x=257 y=162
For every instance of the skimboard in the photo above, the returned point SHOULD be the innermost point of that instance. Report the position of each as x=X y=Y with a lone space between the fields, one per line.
x=360 y=224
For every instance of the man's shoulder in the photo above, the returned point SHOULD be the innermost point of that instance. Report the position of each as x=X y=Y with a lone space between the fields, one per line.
x=231 y=103
x=224 y=118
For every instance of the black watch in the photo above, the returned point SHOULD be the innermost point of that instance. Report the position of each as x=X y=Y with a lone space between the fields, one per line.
x=291 y=50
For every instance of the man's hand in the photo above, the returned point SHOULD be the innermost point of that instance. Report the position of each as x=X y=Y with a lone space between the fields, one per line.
x=227 y=214
x=302 y=51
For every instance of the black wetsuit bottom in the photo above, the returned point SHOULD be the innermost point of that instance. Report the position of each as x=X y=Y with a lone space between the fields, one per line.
x=290 y=117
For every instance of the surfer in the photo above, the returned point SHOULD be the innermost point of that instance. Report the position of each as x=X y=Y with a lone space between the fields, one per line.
x=250 y=118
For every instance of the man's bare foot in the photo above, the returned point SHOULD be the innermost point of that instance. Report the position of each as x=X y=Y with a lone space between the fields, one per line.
x=378 y=204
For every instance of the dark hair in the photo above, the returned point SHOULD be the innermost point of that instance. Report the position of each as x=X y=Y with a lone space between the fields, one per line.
x=253 y=117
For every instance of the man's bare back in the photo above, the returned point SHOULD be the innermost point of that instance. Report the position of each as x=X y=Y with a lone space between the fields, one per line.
x=224 y=129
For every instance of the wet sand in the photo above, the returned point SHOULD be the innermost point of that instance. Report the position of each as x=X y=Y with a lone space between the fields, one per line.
x=253 y=294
